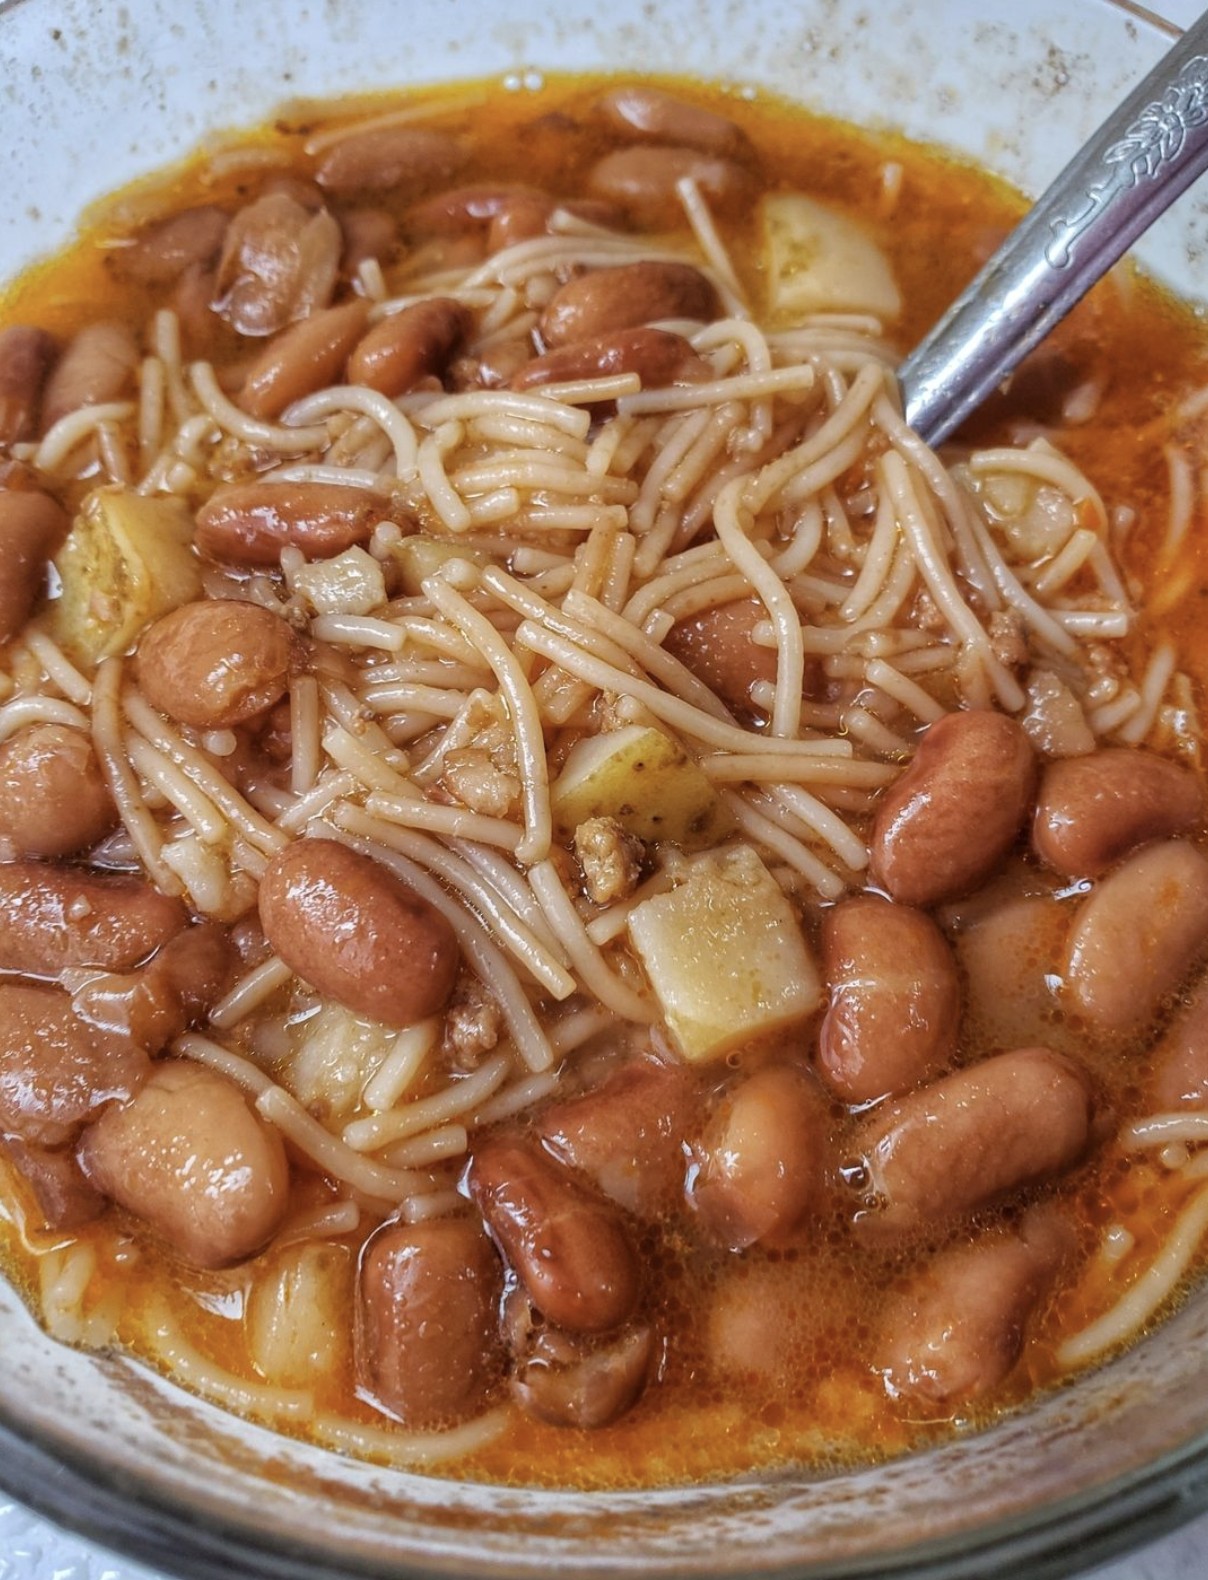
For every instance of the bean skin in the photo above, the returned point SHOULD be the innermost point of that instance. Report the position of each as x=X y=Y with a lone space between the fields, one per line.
x=604 y=300
x=958 y=1329
x=154 y=1004
x=26 y=358
x=894 y=999
x=627 y=1134
x=250 y=523
x=357 y=933
x=642 y=181
x=216 y=663
x=98 y=365
x=569 y=1250
x=55 y=917
x=1092 y=810
x=1136 y=936
x=566 y=1381
x=949 y=1148
x=305 y=357
x=403 y=160
x=761 y=1158
x=718 y=647
x=190 y=1157
x=53 y=799
x=280 y=261
x=945 y=825
x=56 y=1071
x=658 y=358
x=405 y=347
x=649 y=113
x=32 y=529
x=427 y=1345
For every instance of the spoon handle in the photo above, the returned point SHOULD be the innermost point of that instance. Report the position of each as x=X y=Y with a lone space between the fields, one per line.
x=1148 y=151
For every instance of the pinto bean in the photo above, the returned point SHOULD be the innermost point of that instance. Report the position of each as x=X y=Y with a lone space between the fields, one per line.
x=56 y=1071
x=32 y=529
x=1180 y=1060
x=604 y=300
x=658 y=358
x=460 y=209
x=717 y=645
x=761 y=1158
x=1092 y=810
x=527 y=216
x=64 y=1198
x=957 y=1331
x=161 y=252
x=250 y=523
x=642 y=181
x=497 y=365
x=894 y=999
x=1136 y=936
x=651 y=113
x=368 y=233
x=357 y=933
x=279 y=262
x=405 y=347
x=98 y=365
x=156 y=1003
x=55 y=917
x=305 y=357
x=565 y=1380
x=403 y=160
x=945 y=825
x=947 y=1149
x=190 y=1157
x=216 y=663
x=26 y=358
x=627 y=1134
x=569 y=1250
x=426 y=1342
x=53 y=799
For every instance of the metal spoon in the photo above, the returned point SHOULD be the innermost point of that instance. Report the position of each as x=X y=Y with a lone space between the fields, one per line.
x=1147 y=152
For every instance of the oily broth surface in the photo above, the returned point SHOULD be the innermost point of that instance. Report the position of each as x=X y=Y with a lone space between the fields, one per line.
x=813 y=1399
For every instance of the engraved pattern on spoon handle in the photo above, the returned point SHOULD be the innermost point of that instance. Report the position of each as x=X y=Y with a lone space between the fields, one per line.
x=1148 y=151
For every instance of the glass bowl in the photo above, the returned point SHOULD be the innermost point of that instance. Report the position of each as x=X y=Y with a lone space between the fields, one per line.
x=100 y=1444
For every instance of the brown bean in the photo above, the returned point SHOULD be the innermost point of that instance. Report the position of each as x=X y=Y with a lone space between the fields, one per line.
x=655 y=355
x=949 y=1148
x=527 y=216
x=603 y=300
x=651 y=113
x=717 y=645
x=154 y=1004
x=216 y=663
x=761 y=1158
x=53 y=798
x=250 y=523
x=1011 y=959
x=357 y=933
x=958 y=1329
x=55 y=917
x=280 y=262
x=945 y=825
x=305 y=357
x=1180 y=1061
x=98 y=365
x=63 y=1197
x=565 y=1380
x=403 y=160
x=190 y=1157
x=1136 y=936
x=427 y=1348
x=369 y=233
x=643 y=181
x=894 y=999
x=457 y=210
x=32 y=529
x=56 y=1071
x=1092 y=810
x=161 y=252
x=627 y=1134
x=569 y=1250
x=405 y=347
x=26 y=358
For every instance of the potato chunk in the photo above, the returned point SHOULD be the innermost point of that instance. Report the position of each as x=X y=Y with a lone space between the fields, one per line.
x=128 y=560
x=725 y=956
x=819 y=261
x=644 y=780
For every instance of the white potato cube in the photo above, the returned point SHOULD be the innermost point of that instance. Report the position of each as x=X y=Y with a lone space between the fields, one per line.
x=297 y=1322
x=820 y=261
x=725 y=955
x=336 y=1053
